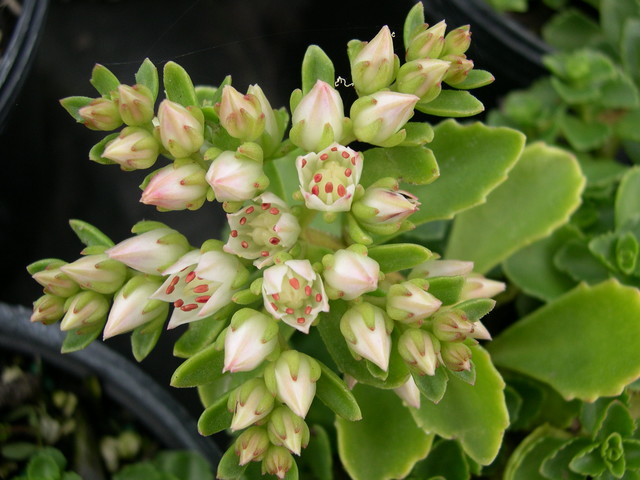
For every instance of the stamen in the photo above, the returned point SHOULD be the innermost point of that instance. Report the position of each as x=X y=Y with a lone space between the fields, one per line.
x=250 y=210
x=276 y=296
x=318 y=297
x=265 y=206
x=295 y=283
x=244 y=244
x=203 y=298
x=347 y=172
x=234 y=233
x=243 y=220
x=328 y=187
x=300 y=320
x=264 y=253
x=304 y=162
x=289 y=310
x=307 y=291
x=345 y=154
x=174 y=281
x=334 y=149
x=308 y=310
x=189 y=307
x=324 y=156
x=274 y=306
x=341 y=190
x=315 y=190
x=274 y=211
x=317 y=177
x=178 y=303
x=190 y=276
x=170 y=289
x=274 y=240
x=201 y=288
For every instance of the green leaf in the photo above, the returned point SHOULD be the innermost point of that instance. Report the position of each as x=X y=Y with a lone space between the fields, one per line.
x=476 y=308
x=399 y=256
x=452 y=103
x=620 y=92
x=79 y=338
x=446 y=459
x=626 y=126
x=415 y=165
x=575 y=259
x=18 y=450
x=473 y=160
x=198 y=335
x=386 y=443
x=332 y=391
x=95 y=154
x=316 y=65
x=434 y=386
x=184 y=465
x=73 y=105
x=145 y=337
x=216 y=417
x=556 y=465
x=204 y=367
x=584 y=136
x=630 y=47
x=178 y=86
x=414 y=21
x=570 y=30
x=103 y=80
x=147 y=75
x=228 y=468
x=446 y=289
x=617 y=419
x=545 y=188
x=43 y=467
x=418 y=133
x=210 y=392
x=589 y=461
x=567 y=344
x=475 y=415
x=89 y=235
x=613 y=16
x=627 y=206
x=317 y=459
x=475 y=79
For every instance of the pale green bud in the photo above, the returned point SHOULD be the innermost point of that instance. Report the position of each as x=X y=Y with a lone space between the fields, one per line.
x=250 y=403
x=101 y=114
x=241 y=115
x=457 y=41
x=48 y=309
x=367 y=330
x=428 y=43
x=378 y=118
x=135 y=104
x=374 y=65
x=181 y=129
x=55 y=281
x=456 y=356
x=420 y=350
x=97 y=272
x=410 y=302
x=251 y=445
x=135 y=148
x=277 y=461
x=85 y=308
x=422 y=77
x=286 y=429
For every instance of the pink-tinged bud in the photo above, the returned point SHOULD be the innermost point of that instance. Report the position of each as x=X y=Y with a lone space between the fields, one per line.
x=452 y=326
x=135 y=104
x=48 y=309
x=286 y=429
x=273 y=127
x=85 y=308
x=250 y=403
x=373 y=64
x=420 y=350
x=262 y=229
x=480 y=332
x=367 y=330
x=457 y=41
x=378 y=118
x=410 y=302
x=318 y=120
x=250 y=338
x=441 y=268
x=409 y=393
x=458 y=70
x=328 y=179
x=456 y=356
x=292 y=378
x=422 y=78
x=55 y=281
x=241 y=115
x=135 y=148
x=477 y=286
x=200 y=284
x=350 y=273
x=97 y=272
x=101 y=114
x=133 y=306
x=238 y=176
x=293 y=292
x=178 y=186
x=181 y=129
x=251 y=445
x=152 y=251
x=277 y=461
x=428 y=43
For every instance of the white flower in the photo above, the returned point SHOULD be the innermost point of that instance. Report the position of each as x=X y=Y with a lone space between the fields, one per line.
x=240 y=115
x=180 y=131
x=350 y=273
x=178 y=186
x=409 y=302
x=235 y=178
x=250 y=338
x=367 y=330
x=373 y=67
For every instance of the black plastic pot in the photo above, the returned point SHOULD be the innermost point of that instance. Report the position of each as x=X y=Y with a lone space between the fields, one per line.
x=122 y=380
x=18 y=56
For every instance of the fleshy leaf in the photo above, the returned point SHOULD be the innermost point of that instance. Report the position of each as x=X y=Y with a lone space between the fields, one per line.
x=446 y=289
x=317 y=458
x=584 y=136
x=216 y=417
x=316 y=65
x=630 y=47
x=415 y=165
x=178 y=85
x=476 y=308
x=567 y=344
x=473 y=160
x=575 y=259
x=434 y=386
x=332 y=391
x=197 y=336
x=413 y=21
x=184 y=465
x=475 y=79
x=475 y=415
x=73 y=105
x=42 y=264
x=204 y=367
x=229 y=467
x=89 y=235
x=103 y=80
x=541 y=193
x=386 y=443
x=80 y=337
x=95 y=154
x=418 y=133
x=147 y=75
x=145 y=337
x=399 y=256
x=445 y=459
x=556 y=465
x=617 y=419
x=452 y=103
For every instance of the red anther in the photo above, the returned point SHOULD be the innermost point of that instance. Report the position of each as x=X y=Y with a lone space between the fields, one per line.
x=249 y=210
x=324 y=156
x=347 y=172
x=341 y=190
x=178 y=303
x=317 y=177
x=276 y=296
x=274 y=306
x=243 y=220
x=264 y=253
x=244 y=244
x=328 y=187
x=170 y=289
x=334 y=149
x=234 y=233
x=300 y=320
x=307 y=291
x=274 y=240
x=308 y=310
x=174 y=281
x=304 y=162
x=294 y=282
x=345 y=154
x=190 y=276
x=315 y=190
x=318 y=297
x=289 y=310
x=265 y=206
x=188 y=307
x=274 y=211
x=203 y=299
x=353 y=160
x=201 y=288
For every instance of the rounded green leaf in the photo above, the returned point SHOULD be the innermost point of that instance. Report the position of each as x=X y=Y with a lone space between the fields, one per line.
x=103 y=80
x=399 y=256
x=316 y=65
x=452 y=103
x=628 y=198
x=147 y=75
x=216 y=417
x=332 y=391
x=446 y=459
x=178 y=85
x=89 y=235
x=416 y=165
x=145 y=337
x=204 y=367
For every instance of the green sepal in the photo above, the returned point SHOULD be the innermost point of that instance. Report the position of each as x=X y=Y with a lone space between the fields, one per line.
x=95 y=154
x=216 y=417
x=399 y=256
x=88 y=234
x=413 y=23
x=432 y=387
x=452 y=103
x=416 y=165
x=103 y=80
x=316 y=65
x=245 y=297
x=200 y=334
x=294 y=99
x=205 y=95
x=468 y=376
x=418 y=133
x=80 y=337
x=355 y=231
x=446 y=289
x=73 y=105
x=202 y=368
x=94 y=250
x=43 y=264
x=475 y=79
x=229 y=467
x=476 y=308
x=178 y=85
x=145 y=337
x=147 y=75
x=332 y=391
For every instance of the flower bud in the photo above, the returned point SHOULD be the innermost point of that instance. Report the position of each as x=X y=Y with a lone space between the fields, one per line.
x=457 y=41
x=428 y=43
x=373 y=67
x=328 y=179
x=420 y=350
x=410 y=302
x=48 y=309
x=152 y=251
x=250 y=338
x=422 y=78
x=251 y=445
x=456 y=356
x=294 y=293
x=55 y=281
x=409 y=393
x=85 y=308
x=286 y=429
x=236 y=177
x=97 y=272
x=135 y=148
x=277 y=461
x=480 y=332
x=350 y=273
x=458 y=70
x=378 y=118
x=241 y=115
x=262 y=229
x=451 y=326
x=367 y=330
x=181 y=185
x=441 y=268
x=477 y=286
x=293 y=379
x=181 y=129
x=250 y=403
x=101 y=114
x=273 y=129
x=132 y=306
x=135 y=104
x=318 y=120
